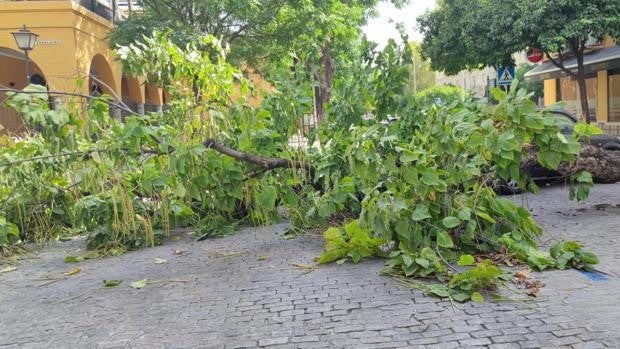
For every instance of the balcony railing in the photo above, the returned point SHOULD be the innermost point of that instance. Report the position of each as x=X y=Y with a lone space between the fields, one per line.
x=112 y=10
x=107 y=9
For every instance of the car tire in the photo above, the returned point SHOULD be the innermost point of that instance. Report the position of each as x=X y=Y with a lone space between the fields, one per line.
x=615 y=146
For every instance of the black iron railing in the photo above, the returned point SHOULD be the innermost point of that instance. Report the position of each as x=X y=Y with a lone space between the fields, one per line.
x=105 y=9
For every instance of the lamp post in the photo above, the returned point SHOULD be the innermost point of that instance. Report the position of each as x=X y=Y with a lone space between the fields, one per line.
x=25 y=40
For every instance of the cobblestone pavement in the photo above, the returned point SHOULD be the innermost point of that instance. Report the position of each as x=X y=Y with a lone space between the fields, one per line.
x=243 y=292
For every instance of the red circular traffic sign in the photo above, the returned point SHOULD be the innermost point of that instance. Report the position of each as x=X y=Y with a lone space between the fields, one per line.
x=535 y=55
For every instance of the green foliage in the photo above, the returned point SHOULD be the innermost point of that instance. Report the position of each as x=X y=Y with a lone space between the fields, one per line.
x=535 y=88
x=356 y=243
x=9 y=233
x=420 y=72
x=455 y=37
x=126 y=183
x=483 y=276
x=569 y=254
x=465 y=286
x=526 y=250
x=465 y=34
x=421 y=182
x=581 y=184
x=424 y=263
x=444 y=94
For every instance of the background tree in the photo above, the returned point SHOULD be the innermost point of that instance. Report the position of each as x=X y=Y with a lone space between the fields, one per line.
x=466 y=34
x=310 y=37
x=563 y=28
x=421 y=74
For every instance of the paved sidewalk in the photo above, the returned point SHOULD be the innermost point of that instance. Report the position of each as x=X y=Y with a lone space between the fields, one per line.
x=243 y=292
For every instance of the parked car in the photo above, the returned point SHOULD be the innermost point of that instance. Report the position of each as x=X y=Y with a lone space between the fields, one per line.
x=566 y=122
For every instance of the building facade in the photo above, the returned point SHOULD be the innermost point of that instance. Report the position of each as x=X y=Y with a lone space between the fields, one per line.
x=72 y=46
x=476 y=80
x=602 y=68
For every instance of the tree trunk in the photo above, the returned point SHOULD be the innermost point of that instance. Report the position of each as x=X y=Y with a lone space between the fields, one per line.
x=325 y=81
x=581 y=82
x=604 y=165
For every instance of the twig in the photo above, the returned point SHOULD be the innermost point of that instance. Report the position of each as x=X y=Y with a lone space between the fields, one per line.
x=223 y=254
x=117 y=104
x=72 y=298
x=167 y=281
x=49 y=281
x=307 y=268
x=445 y=261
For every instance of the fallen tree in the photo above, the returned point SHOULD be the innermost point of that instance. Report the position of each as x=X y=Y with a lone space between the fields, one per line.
x=417 y=186
x=602 y=164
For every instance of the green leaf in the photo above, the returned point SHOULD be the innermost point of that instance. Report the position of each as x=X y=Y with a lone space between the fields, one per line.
x=584 y=177
x=450 y=222
x=485 y=216
x=407 y=260
x=423 y=262
x=420 y=213
x=465 y=214
x=444 y=240
x=266 y=199
x=564 y=259
x=139 y=284
x=73 y=259
x=562 y=138
x=461 y=297
x=439 y=291
x=111 y=283
x=91 y=255
x=588 y=257
x=430 y=177
x=408 y=156
x=466 y=260
x=477 y=297
x=410 y=174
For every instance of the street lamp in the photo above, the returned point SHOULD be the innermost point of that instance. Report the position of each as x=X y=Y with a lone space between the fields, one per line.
x=25 y=40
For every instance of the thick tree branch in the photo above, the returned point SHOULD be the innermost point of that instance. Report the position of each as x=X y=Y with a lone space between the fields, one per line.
x=265 y=163
x=604 y=165
x=560 y=64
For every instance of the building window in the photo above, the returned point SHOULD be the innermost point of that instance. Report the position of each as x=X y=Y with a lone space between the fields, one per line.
x=568 y=92
x=614 y=95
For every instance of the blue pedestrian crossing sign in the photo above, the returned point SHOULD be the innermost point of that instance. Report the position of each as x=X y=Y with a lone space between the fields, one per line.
x=505 y=75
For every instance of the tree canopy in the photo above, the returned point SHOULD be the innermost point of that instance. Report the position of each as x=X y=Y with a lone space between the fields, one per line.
x=311 y=37
x=465 y=34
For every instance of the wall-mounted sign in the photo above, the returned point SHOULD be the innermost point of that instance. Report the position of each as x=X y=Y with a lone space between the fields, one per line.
x=49 y=42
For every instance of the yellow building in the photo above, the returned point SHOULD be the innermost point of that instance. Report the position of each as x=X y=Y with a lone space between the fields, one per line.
x=602 y=68
x=71 y=45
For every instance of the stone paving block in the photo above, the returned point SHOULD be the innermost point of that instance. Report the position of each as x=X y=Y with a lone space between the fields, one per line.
x=273 y=341
x=588 y=345
x=504 y=346
x=474 y=342
x=508 y=338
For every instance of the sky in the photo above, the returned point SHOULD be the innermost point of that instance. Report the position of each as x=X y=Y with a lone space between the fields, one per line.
x=381 y=28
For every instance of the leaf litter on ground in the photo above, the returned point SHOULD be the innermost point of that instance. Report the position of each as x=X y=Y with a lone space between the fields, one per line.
x=8 y=269
x=73 y=271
